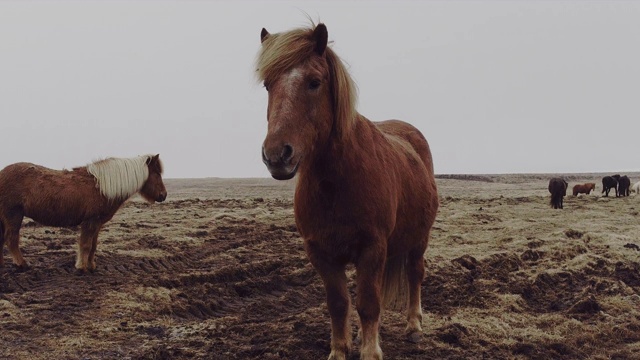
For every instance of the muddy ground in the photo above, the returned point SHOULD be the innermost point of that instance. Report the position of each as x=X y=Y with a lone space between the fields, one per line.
x=218 y=272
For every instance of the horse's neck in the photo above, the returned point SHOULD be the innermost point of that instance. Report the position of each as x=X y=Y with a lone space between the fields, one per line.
x=343 y=153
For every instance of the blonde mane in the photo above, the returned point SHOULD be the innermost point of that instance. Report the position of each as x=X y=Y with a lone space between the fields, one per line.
x=120 y=178
x=283 y=51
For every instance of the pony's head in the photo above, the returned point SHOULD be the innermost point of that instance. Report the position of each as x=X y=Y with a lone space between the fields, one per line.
x=153 y=188
x=311 y=97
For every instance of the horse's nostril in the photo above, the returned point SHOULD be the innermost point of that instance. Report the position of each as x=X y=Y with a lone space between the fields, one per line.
x=287 y=153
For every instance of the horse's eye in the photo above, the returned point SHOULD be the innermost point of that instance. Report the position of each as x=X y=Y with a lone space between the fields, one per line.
x=266 y=86
x=314 y=84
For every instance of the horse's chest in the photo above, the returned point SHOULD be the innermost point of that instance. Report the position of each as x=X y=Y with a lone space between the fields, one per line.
x=333 y=211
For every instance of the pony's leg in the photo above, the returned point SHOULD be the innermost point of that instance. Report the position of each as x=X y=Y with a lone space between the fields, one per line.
x=89 y=231
x=415 y=274
x=369 y=274
x=92 y=252
x=335 y=284
x=12 y=237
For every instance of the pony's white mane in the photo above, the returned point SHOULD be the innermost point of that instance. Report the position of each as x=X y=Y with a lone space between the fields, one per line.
x=119 y=178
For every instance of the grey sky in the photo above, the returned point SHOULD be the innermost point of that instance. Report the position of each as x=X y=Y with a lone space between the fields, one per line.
x=496 y=87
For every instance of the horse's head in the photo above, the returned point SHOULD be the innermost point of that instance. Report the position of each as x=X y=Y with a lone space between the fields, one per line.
x=153 y=189
x=302 y=77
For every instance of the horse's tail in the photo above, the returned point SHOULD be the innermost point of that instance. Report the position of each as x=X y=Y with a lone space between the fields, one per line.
x=395 y=285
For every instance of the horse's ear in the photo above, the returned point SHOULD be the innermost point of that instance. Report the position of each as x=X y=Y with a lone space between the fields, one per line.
x=264 y=35
x=321 y=37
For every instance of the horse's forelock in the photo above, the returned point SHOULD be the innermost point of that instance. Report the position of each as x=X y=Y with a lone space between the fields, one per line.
x=156 y=162
x=283 y=51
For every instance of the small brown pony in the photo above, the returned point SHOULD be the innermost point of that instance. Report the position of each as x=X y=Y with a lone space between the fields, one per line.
x=86 y=196
x=583 y=188
x=366 y=192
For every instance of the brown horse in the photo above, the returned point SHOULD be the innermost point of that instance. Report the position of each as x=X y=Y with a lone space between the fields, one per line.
x=583 y=188
x=365 y=194
x=86 y=196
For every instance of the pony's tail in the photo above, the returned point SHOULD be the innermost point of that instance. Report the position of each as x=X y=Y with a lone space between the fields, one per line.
x=395 y=285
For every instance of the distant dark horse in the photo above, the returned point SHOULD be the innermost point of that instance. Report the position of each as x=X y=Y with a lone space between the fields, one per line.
x=365 y=194
x=88 y=196
x=608 y=183
x=558 y=189
x=623 y=186
x=583 y=188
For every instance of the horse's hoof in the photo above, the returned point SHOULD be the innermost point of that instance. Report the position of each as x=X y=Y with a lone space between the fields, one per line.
x=22 y=268
x=414 y=337
x=337 y=355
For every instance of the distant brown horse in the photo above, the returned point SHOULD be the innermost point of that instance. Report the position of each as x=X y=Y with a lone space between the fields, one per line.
x=365 y=193
x=558 y=189
x=583 y=188
x=86 y=196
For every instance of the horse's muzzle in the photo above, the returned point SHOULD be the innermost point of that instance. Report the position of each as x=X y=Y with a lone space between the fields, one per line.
x=283 y=172
x=281 y=166
x=162 y=197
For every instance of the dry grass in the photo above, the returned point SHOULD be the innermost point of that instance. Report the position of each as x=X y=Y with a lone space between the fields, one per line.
x=218 y=271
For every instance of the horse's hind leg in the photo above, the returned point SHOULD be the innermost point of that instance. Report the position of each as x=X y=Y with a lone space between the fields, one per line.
x=415 y=274
x=12 y=226
x=87 y=242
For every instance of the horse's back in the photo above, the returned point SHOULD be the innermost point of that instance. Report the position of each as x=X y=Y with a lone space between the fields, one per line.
x=50 y=197
x=406 y=132
x=420 y=195
x=14 y=175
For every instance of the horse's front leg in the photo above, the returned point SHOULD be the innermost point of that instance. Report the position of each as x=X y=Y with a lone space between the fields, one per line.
x=87 y=244
x=369 y=271
x=335 y=284
x=94 y=246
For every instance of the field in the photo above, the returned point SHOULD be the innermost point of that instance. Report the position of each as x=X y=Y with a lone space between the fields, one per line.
x=218 y=272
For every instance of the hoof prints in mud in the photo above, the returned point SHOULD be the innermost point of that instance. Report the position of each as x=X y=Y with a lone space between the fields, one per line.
x=141 y=266
x=573 y=292
x=234 y=288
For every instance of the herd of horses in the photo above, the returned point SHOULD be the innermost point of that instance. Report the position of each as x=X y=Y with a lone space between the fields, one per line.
x=620 y=184
x=366 y=192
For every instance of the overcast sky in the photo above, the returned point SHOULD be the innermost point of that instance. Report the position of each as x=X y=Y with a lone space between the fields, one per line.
x=496 y=87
